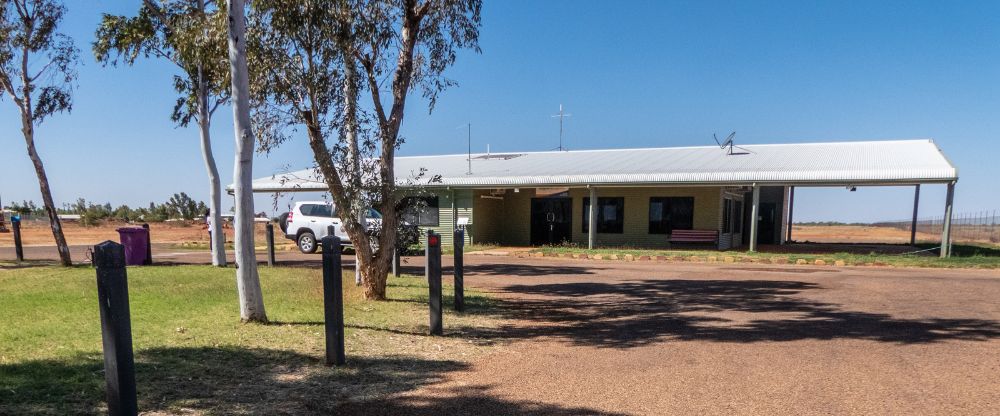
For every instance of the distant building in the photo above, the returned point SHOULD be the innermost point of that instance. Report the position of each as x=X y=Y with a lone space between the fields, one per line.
x=652 y=198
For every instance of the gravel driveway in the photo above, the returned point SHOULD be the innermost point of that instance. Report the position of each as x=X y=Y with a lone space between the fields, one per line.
x=634 y=338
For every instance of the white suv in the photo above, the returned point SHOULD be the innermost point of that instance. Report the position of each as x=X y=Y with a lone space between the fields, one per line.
x=308 y=222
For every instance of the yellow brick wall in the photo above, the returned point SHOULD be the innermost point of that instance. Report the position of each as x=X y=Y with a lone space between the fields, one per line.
x=508 y=221
x=707 y=210
x=488 y=217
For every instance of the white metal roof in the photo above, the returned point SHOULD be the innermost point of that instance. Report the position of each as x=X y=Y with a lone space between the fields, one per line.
x=895 y=162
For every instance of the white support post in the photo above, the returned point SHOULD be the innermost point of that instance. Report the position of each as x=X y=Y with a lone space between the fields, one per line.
x=592 y=219
x=913 y=223
x=946 y=232
x=754 y=214
x=791 y=209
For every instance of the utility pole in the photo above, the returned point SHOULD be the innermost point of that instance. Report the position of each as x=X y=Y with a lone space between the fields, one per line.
x=561 y=115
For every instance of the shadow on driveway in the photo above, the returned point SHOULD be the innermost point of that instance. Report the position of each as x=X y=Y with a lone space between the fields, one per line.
x=625 y=314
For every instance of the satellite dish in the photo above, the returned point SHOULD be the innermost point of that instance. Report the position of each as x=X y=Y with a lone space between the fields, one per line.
x=726 y=143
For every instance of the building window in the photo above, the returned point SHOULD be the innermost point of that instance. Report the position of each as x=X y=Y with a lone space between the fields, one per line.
x=421 y=211
x=610 y=215
x=669 y=214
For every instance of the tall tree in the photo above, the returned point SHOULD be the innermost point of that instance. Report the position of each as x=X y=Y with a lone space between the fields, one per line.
x=314 y=58
x=37 y=70
x=191 y=35
x=247 y=279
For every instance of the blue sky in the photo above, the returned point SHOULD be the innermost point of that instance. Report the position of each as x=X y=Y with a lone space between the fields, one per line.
x=633 y=74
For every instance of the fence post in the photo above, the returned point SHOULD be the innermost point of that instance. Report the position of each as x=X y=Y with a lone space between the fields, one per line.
x=15 y=225
x=149 y=246
x=116 y=328
x=459 y=270
x=333 y=300
x=434 y=281
x=270 y=243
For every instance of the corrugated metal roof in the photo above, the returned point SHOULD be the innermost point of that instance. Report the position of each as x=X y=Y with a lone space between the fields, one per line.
x=835 y=163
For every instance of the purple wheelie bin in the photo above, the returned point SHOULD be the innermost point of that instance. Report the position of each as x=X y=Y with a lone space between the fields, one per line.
x=135 y=240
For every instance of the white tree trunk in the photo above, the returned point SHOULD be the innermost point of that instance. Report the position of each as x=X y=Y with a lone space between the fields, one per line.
x=218 y=242
x=247 y=279
x=353 y=154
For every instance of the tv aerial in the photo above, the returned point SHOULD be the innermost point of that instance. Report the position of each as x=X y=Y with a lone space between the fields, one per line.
x=561 y=116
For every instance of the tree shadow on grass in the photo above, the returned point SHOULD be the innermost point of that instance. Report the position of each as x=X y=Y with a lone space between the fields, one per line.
x=231 y=380
x=226 y=380
x=635 y=313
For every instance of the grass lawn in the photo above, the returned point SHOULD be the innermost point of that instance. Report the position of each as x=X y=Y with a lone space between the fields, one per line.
x=193 y=355
x=963 y=257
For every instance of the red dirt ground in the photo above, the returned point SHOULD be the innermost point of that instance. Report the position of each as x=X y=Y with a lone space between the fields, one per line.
x=39 y=233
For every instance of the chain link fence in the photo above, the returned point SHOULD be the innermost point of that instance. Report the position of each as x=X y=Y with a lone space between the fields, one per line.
x=980 y=227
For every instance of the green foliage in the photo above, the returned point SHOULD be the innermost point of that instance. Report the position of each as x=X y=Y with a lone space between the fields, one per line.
x=179 y=207
x=190 y=34
x=26 y=208
x=37 y=63
x=181 y=204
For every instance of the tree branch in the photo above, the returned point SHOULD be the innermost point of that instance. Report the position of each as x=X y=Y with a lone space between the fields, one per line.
x=156 y=11
x=370 y=75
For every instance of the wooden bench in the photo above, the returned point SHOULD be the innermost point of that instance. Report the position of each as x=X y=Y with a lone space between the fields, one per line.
x=694 y=236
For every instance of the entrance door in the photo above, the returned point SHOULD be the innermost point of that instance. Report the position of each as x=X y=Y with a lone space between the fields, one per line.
x=765 y=227
x=551 y=220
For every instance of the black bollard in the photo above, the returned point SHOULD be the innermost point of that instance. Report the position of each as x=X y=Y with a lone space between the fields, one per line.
x=149 y=246
x=395 y=262
x=15 y=224
x=459 y=270
x=270 y=244
x=116 y=328
x=333 y=300
x=434 y=281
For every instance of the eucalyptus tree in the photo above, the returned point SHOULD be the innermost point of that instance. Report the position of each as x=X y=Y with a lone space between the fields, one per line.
x=37 y=71
x=315 y=59
x=247 y=278
x=190 y=34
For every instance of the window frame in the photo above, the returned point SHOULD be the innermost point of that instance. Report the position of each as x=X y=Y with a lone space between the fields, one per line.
x=429 y=216
x=667 y=222
x=605 y=226
x=312 y=207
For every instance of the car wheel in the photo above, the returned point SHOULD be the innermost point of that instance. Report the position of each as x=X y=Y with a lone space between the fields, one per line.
x=307 y=243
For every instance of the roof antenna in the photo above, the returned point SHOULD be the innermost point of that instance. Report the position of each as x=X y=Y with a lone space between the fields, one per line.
x=469 y=138
x=561 y=115
x=727 y=143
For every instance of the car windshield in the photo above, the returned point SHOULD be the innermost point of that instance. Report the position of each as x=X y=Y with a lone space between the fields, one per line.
x=372 y=213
